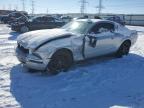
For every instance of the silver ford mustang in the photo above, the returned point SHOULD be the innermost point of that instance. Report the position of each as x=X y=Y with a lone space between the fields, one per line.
x=55 y=50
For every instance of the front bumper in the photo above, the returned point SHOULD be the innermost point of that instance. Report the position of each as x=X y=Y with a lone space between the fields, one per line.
x=32 y=64
x=35 y=65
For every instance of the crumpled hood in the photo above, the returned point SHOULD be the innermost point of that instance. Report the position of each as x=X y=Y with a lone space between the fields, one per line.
x=35 y=38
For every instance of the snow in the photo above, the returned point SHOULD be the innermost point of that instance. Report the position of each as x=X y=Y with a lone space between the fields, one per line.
x=120 y=107
x=105 y=82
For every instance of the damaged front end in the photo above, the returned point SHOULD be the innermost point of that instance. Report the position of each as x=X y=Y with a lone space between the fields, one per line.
x=29 y=59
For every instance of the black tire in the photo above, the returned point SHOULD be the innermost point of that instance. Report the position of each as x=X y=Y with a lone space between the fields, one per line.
x=31 y=70
x=61 y=61
x=124 y=49
x=24 y=29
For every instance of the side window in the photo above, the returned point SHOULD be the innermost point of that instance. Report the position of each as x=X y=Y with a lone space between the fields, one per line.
x=38 y=19
x=12 y=15
x=17 y=15
x=102 y=27
x=44 y=19
x=50 y=19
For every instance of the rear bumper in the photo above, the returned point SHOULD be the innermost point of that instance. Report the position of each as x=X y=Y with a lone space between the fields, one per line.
x=134 y=37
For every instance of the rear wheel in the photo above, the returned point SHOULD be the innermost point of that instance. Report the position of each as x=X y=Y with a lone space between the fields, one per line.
x=61 y=61
x=24 y=29
x=124 y=49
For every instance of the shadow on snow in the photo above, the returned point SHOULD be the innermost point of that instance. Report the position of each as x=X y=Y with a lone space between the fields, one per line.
x=98 y=83
x=13 y=35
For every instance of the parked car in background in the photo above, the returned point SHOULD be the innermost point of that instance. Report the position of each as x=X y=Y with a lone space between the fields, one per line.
x=12 y=17
x=56 y=49
x=83 y=17
x=21 y=19
x=36 y=23
x=0 y=18
x=66 y=18
x=4 y=19
x=97 y=17
x=117 y=19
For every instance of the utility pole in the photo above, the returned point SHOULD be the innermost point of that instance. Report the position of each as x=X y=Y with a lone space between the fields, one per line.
x=33 y=6
x=47 y=11
x=23 y=5
x=16 y=7
x=100 y=7
x=83 y=7
x=3 y=7
x=9 y=7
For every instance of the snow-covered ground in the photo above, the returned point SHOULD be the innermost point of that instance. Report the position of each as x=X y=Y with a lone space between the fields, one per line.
x=105 y=82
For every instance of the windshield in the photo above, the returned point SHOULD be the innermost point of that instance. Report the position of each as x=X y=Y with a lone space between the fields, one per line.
x=33 y=18
x=80 y=27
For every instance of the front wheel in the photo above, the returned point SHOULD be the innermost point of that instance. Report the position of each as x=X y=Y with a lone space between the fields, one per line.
x=124 y=49
x=24 y=29
x=61 y=61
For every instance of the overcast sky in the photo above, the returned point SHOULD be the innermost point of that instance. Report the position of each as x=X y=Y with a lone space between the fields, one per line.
x=73 y=6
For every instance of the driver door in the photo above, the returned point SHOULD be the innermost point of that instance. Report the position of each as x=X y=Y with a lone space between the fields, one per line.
x=100 y=39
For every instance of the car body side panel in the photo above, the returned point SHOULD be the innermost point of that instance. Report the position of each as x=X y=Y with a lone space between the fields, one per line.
x=46 y=51
x=74 y=44
x=77 y=44
x=126 y=34
x=104 y=45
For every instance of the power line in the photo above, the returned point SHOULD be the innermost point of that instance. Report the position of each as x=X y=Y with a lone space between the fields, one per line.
x=23 y=5
x=100 y=7
x=47 y=11
x=33 y=6
x=83 y=6
x=3 y=7
x=16 y=7
x=10 y=7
